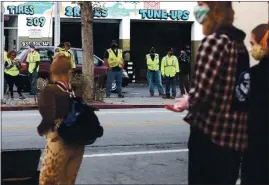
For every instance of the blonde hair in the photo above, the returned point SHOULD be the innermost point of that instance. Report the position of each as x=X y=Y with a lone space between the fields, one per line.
x=220 y=14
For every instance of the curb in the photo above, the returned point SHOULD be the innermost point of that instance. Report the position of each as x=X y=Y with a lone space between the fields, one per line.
x=97 y=106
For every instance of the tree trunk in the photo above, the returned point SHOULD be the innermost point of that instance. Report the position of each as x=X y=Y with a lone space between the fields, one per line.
x=87 y=47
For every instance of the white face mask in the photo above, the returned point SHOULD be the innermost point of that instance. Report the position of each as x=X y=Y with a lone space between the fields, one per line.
x=200 y=13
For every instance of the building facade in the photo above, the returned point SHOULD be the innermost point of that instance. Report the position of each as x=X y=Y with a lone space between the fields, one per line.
x=168 y=24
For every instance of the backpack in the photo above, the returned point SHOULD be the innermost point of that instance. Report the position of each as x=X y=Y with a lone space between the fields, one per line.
x=81 y=126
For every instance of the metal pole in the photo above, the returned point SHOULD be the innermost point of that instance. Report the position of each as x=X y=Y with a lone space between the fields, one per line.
x=2 y=49
x=57 y=25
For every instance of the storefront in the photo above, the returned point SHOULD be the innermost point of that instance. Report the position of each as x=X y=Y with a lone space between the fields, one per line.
x=136 y=25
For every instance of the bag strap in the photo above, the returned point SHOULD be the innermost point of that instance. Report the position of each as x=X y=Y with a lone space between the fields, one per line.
x=66 y=88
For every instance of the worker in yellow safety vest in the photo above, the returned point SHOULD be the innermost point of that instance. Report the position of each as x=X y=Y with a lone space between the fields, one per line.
x=154 y=72
x=169 y=69
x=11 y=73
x=113 y=59
x=67 y=47
x=33 y=59
x=5 y=82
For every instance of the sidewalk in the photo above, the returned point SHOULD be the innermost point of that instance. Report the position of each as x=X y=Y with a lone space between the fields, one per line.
x=136 y=96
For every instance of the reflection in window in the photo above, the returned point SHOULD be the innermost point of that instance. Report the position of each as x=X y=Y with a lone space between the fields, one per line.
x=21 y=53
x=79 y=56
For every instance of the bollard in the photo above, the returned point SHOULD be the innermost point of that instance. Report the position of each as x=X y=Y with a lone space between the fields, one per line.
x=20 y=167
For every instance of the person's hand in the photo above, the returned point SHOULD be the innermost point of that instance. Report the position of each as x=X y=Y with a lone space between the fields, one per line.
x=180 y=105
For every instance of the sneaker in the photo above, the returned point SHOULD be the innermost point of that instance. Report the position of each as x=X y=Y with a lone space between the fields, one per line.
x=12 y=97
x=121 y=96
x=160 y=94
x=107 y=96
x=172 y=97
x=22 y=97
x=151 y=95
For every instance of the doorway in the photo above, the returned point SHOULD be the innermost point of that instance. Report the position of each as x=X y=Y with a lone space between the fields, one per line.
x=158 y=34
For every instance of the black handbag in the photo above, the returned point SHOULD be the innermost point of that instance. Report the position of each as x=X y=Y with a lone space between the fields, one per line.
x=81 y=126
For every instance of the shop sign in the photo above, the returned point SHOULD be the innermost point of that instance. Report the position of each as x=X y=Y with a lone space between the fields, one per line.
x=27 y=10
x=164 y=15
x=35 y=33
x=75 y=12
x=35 y=43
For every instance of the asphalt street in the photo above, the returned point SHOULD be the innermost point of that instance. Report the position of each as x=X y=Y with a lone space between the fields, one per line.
x=139 y=146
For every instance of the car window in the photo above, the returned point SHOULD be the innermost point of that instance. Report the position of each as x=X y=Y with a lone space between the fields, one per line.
x=45 y=54
x=21 y=53
x=79 y=58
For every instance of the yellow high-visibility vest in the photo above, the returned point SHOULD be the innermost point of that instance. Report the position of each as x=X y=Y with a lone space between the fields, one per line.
x=5 y=56
x=169 y=66
x=13 y=71
x=153 y=65
x=113 y=60
x=69 y=54
x=72 y=58
x=32 y=59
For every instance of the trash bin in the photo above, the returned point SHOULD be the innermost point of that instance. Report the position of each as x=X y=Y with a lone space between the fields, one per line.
x=20 y=167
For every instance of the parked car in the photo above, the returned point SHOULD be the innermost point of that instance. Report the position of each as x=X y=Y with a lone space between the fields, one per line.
x=46 y=54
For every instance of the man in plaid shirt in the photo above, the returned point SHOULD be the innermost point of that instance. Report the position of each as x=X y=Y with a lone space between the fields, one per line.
x=218 y=98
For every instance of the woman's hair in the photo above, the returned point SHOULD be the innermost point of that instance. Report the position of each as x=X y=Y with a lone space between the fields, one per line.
x=261 y=35
x=220 y=14
x=11 y=52
x=60 y=66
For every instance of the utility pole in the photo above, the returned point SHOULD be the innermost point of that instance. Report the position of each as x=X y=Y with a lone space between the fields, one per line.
x=2 y=50
x=57 y=25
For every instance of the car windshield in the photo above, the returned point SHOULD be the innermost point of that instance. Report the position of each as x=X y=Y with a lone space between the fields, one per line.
x=21 y=53
x=79 y=55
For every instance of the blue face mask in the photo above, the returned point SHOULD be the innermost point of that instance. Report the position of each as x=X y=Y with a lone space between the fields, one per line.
x=200 y=13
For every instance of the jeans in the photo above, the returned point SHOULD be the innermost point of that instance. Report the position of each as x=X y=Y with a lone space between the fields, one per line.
x=158 y=80
x=111 y=76
x=170 y=81
x=33 y=81
x=184 y=83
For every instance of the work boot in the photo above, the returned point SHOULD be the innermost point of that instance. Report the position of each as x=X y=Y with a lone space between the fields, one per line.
x=121 y=96
x=22 y=97
x=166 y=97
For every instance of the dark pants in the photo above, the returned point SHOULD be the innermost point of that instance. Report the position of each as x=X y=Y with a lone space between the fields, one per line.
x=33 y=81
x=210 y=163
x=111 y=76
x=11 y=80
x=5 y=86
x=184 y=83
x=255 y=164
x=170 y=81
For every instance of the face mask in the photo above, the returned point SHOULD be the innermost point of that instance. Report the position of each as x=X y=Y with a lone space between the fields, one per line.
x=258 y=52
x=200 y=13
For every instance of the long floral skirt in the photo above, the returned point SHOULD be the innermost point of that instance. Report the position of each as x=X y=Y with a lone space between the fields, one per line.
x=60 y=163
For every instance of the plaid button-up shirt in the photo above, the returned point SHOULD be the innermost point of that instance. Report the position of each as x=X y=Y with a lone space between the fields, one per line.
x=212 y=92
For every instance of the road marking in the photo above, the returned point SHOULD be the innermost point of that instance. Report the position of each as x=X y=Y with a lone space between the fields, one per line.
x=135 y=153
x=105 y=125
